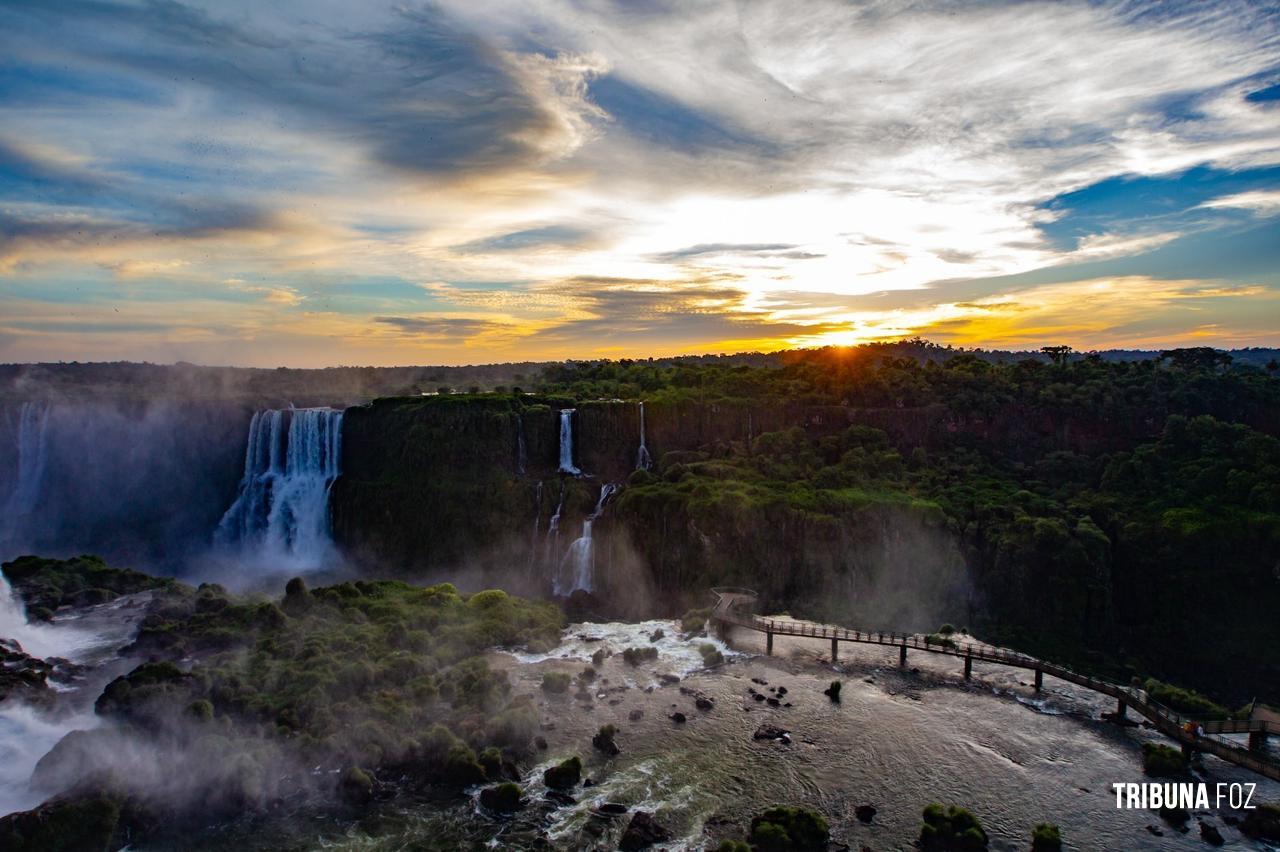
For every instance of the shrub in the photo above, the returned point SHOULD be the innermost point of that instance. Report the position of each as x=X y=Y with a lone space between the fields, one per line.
x=1046 y=837
x=1161 y=760
x=1184 y=700
x=636 y=656
x=783 y=828
x=733 y=846
x=711 y=655
x=951 y=830
x=947 y=629
x=356 y=785
x=695 y=619
x=557 y=682
x=491 y=761
x=940 y=640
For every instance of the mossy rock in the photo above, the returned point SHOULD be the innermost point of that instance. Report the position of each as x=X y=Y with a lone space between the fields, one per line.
x=1046 y=837
x=951 y=829
x=556 y=683
x=88 y=823
x=356 y=786
x=789 y=829
x=565 y=775
x=504 y=798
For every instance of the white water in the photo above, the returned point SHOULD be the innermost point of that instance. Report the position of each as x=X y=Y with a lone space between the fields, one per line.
x=27 y=735
x=643 y=460
x=521 y=454
x=33 y=423
x=577 y=570
x=566 y=443
x=38 y=640
x=676 y=655
x=281 y=513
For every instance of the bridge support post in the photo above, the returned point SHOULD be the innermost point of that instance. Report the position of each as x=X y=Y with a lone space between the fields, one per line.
x=1257 y=740
x=1039 y=679
x=835 y=649
x=768 y=642
x=1187 y=751
x=902 y=655
x=968 y=667
x=1122 y=709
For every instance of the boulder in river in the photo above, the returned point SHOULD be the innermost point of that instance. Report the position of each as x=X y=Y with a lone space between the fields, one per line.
x=643 y=832
x=564 y=776
x=678 y=717
x=1209 y=834
x=604 y=741
x=772 y=732
x=865 y=813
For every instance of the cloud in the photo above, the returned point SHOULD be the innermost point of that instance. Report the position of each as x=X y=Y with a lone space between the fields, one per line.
x=1261 y=202
x=705 y=249
x=446 y=327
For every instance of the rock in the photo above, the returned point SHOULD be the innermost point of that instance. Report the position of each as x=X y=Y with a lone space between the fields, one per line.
x=678 y=717
x=757 y=696
x=669 y=678
x=562 y=799
x=541 y=742
x=1155 y=830
x=642 y=832
x=833 y=691
x=656 y=635
x=604 y=741
x=590 y=782
x=771 y=732
x=635 y=715
x=760 y=681
x=612 y=809
x=1210 y=834
x=502 y=799
x=865 y=813
x=773 y=702
x=1262 y=823
x=565 y=776
x=782 y=690
x=703 y=703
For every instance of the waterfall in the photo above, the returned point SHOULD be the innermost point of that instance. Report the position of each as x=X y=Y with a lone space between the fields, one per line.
x=643 y=461
x=566 y=443
x=282 y=508
x=537 y=514
x=521 y=454
x=577 y=570
x=33 y=423
x=553 y=526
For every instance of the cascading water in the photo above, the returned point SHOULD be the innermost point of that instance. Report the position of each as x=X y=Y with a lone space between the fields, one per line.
x=643 y=460
x=566 y=443
x=537 y=515
x=282 y=509
x=33 y=423
x=522 y=457
x=553 y=528
x=577 y=570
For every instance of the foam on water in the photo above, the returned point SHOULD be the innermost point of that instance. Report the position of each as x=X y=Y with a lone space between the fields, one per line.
x=676 y=654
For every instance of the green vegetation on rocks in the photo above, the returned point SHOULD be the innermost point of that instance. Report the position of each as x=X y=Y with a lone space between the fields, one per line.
x=1159 y=760
x=636 y=656
x=1046 y=837
x=556 y=682
x=1186 y=701
x=47 y=584
x=565 y=775
x=789 y=829
x=951 y=829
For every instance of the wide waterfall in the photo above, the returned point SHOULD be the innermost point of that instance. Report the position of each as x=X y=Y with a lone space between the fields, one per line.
x=282 y=510
x=643 y=460
x=33 y=424
x=566 y=443
x=577 y=571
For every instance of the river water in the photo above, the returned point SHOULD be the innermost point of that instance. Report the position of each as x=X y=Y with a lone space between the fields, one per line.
x=898 y=740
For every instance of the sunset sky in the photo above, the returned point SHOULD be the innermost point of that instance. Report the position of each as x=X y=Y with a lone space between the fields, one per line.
x=317 y=182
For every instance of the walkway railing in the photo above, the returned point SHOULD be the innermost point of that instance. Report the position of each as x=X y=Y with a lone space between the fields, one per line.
x=1167 y=721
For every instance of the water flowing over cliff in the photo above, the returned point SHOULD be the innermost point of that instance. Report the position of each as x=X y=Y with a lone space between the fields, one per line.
x=577 y=570
x=643 y=460
x=566 y=443
x=32 y=457
x=282 y=509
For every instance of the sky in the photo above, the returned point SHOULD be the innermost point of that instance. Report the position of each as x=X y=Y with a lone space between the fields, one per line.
x=317 y=183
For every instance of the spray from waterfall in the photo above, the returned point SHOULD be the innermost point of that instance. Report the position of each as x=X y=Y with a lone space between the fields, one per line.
x=577 y=570
x=566 y=443
x=643 y=460
x=282 y=510
x=33 y=453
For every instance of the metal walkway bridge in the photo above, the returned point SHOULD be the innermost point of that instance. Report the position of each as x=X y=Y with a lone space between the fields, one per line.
x=732 y=607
